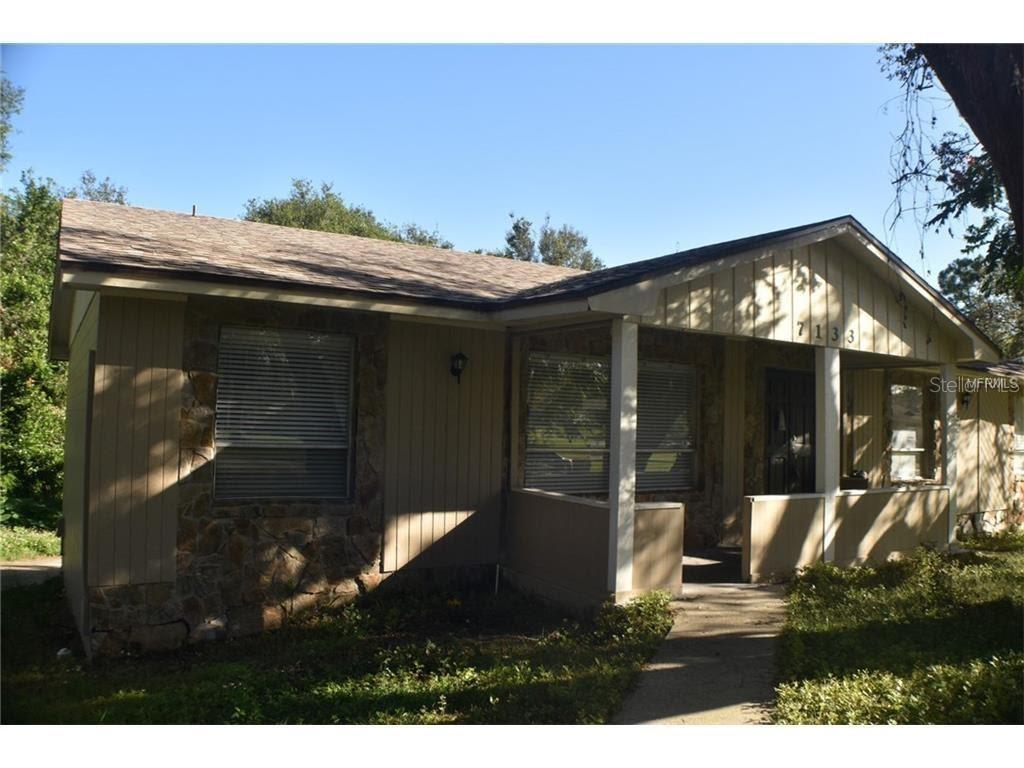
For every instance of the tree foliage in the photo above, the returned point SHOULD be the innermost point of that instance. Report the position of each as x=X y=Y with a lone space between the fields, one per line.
x=952 y=179
x=565 y=246
x=307 y=207
x=11 y=99
x=34 y=388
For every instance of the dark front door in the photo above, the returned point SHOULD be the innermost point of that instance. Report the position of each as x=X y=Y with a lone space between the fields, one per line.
x=789 y=433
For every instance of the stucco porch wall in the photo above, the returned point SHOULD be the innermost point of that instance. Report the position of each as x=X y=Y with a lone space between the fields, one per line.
x=703 y=502
x=785 y=533
x=873 y=525
x=556 y=546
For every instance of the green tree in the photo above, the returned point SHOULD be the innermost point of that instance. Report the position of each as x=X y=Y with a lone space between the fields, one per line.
x=519 y=242
x=566 y=247
x=954 y=177
x=324 y=210
x=10 y=104
x=33 y=387
x=998 y=314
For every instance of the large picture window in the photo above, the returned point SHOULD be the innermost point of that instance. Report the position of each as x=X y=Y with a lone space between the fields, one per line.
x=284 y=401
x=568 y=417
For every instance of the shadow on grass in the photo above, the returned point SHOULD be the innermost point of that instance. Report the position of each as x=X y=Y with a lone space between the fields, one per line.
x=472 y=657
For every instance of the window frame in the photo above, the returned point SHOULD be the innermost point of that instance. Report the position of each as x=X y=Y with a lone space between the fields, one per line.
x=605 y=452
x=347 y=493
x=919 y=451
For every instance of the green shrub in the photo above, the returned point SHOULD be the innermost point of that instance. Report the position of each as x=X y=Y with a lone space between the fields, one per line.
x=1004 y=541
x=19 y=543
x=930 y=638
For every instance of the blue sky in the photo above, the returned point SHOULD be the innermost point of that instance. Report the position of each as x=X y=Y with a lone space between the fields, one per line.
x=645 y=149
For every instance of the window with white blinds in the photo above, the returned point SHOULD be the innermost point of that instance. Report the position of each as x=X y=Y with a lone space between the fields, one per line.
x=666 y=428
x=906 y=412
x=284 y=402
x=567 y=424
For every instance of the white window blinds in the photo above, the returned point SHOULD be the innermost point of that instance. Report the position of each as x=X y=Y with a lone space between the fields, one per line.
x=283 y=414
x=666 y=432
x=567 y=424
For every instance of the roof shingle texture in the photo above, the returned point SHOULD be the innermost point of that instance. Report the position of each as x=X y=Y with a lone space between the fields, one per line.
x=110 y=237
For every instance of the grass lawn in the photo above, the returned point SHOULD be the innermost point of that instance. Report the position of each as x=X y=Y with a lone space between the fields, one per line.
x=20 y=543
x=933 y=638
x=470 y=658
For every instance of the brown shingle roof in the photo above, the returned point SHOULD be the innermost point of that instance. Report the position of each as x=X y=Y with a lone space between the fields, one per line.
x=109 y=237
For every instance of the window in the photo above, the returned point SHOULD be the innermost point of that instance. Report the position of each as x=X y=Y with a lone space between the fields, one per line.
x=666 y=433
x=568 y=416
x=907 y=443
x=283 y=414
x=1018 y=436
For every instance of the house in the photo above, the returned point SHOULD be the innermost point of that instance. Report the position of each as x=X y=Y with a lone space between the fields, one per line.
x=263 y=421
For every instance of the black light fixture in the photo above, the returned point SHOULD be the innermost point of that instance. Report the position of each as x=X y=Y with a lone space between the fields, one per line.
x=965 y=400
x=459 y=361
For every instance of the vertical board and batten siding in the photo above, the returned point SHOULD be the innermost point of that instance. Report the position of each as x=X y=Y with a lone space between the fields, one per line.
x=984 y=454
x=864 y=438
x=821 y=294
x=76 y=442
x=443 y=446
x=133 y=467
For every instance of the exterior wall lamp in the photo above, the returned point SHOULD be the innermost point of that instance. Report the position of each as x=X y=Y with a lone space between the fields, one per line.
x=459 y=362
x=965 y=400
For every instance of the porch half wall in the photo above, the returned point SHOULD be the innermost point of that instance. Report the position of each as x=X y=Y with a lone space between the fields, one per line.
x=783 y=534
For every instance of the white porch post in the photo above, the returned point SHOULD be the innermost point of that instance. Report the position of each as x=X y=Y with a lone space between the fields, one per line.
x=827 y=416
x=622 y=457
x=950 y=430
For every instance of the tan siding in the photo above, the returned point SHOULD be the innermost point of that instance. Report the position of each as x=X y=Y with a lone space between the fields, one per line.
x=76 y=461
x=134 y=445
x=781 y=534
x=700 y=304
x=872 y=526
x=995 y=457
x=658 y=548
x=819 y=294
x=967 y=460
x=782 y=292
x=743 y=286
x=722 y=292
x=677 y=305
x=801 y=294
x=864 y=445
x=443 y=447
x=764 y=301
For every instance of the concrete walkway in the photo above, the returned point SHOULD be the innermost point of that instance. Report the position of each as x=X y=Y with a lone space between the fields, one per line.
x=19 y=573
x=717 y=665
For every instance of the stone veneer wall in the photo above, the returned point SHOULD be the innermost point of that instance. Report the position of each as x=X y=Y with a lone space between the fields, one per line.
x=251 y=565
x=703 y=504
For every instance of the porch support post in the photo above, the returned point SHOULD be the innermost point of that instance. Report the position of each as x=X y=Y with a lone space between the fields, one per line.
x=827 y=415
x=622 y=457
x=950 y=418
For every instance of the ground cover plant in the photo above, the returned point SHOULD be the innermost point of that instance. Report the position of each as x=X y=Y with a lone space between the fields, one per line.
x=933 y=638
x=22 y=543
x=462 y=658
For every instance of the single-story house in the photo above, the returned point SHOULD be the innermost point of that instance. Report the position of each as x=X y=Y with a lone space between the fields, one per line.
x=264 y=421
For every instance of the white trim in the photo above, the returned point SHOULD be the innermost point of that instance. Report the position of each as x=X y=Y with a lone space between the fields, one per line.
x=950 y=425
x=622 y=456
x=872 y=491
x=583 y=500
x=72 y=278
x=827 y=431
